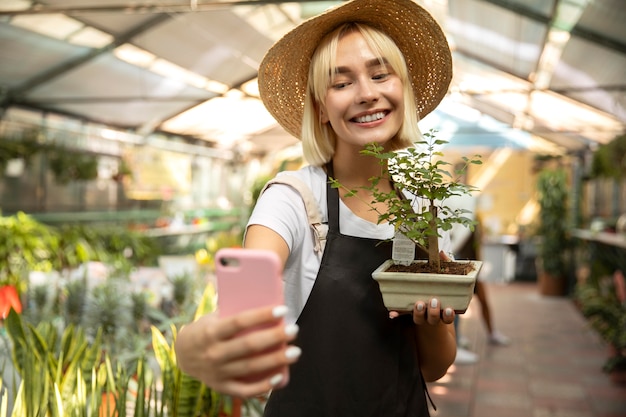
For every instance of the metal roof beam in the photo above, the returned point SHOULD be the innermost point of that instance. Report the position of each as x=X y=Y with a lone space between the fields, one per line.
x=577 y=31
x=148 y=8
x=16 y=95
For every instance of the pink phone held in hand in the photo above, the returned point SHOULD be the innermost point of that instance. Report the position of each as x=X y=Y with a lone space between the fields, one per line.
x=247 y=279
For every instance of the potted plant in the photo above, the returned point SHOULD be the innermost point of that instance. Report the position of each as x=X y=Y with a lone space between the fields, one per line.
x=19 y=146
x=552 y=199
x=603 y=303
x=418 y=210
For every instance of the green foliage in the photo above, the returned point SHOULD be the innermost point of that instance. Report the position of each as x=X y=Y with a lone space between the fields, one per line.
x=552 y=199
x=607 y=315
x=71 y=374
x=421 y=173
x=77 y=244
x=183 y=288
x=23 y=145
x=183 y=395
x=609 y=160
x=107 y=311
x=28 y=245
x=67 y=165
x=52 y=369
x=82 y=345
x=75 y=295
x=25 y=245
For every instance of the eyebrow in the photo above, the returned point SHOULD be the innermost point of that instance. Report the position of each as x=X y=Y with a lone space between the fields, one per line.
x=374 y=62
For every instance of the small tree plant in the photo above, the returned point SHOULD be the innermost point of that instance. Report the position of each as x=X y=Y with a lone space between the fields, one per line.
x=416 y=207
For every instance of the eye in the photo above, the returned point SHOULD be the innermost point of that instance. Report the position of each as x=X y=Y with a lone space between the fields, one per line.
x=339 y=84
x=380 y=76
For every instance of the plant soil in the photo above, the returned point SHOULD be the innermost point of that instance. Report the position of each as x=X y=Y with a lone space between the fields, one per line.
x=447 y=267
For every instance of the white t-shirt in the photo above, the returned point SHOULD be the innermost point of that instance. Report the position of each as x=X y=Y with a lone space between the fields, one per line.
x=281 y=209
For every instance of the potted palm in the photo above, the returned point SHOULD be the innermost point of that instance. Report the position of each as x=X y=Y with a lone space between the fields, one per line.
x=418 y=209
x=552 y=199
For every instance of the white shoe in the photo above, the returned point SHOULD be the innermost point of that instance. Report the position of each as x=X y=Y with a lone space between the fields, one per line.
x=465 y=357
x=498 y=339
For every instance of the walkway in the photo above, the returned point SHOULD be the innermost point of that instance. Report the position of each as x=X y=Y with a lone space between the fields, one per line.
x=553 y=367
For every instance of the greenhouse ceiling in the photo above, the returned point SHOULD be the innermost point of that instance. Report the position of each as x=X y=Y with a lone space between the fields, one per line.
x=527 y=72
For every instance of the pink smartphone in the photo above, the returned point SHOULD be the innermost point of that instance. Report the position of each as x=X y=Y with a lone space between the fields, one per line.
x=247 y=279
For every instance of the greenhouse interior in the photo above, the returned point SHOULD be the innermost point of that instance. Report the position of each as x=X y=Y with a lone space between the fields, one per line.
x=134 y=145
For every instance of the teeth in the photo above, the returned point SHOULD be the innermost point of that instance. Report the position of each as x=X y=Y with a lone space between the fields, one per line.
x=370 y=117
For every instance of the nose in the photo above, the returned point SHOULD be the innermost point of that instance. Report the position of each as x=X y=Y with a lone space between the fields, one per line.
x=367 y=92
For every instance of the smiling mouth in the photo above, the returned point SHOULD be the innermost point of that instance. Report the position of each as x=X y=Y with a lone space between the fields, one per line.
x=369 y=117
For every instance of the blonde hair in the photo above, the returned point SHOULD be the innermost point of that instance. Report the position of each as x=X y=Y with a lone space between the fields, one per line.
x=319 y=139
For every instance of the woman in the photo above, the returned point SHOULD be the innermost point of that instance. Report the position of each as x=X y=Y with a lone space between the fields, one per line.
x=360 y=73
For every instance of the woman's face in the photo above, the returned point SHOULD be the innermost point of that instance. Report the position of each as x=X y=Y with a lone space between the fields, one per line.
x=365 y=102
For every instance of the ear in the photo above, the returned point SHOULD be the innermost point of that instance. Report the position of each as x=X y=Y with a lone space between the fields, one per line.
x=323 y=114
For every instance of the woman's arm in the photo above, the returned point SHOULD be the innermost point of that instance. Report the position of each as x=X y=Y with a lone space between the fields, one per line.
x=436 y=335
x=436 y=338
x=213 y=350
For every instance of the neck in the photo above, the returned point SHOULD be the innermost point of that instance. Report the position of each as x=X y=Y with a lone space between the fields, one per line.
x=354 y=175
x=355 y=171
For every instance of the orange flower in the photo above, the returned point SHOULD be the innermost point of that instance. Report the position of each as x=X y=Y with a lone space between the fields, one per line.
x=9 y=299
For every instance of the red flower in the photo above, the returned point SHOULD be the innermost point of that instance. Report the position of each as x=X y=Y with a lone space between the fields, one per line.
x=9 y=299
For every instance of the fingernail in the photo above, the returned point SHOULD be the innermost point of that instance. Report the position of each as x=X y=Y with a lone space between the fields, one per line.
x=420 y=307
x=276 y=379
x=291 y=329
x=279 y=311
x=433 y=303
x=448 y=312
x=293 y=352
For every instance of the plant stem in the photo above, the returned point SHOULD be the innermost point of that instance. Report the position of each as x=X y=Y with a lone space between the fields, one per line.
x=433 y=239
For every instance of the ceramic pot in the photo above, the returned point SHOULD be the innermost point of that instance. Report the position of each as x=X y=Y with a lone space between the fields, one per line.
x=401 y=290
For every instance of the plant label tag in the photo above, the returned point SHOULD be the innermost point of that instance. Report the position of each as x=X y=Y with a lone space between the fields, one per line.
x=403 y=249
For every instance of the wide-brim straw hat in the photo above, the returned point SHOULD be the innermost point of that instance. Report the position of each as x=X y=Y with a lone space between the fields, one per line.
x=284 y=70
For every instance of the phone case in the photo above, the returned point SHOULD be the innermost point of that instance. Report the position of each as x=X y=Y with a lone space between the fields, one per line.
x=246 y=279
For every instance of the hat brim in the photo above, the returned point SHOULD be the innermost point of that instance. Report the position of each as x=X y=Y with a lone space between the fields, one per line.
x=284 y=70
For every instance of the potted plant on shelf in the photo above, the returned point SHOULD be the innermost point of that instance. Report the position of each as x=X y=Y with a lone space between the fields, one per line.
x=418 y=210
x=552 y=199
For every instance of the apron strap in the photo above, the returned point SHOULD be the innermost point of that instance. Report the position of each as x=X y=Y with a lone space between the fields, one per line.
x=314 y=214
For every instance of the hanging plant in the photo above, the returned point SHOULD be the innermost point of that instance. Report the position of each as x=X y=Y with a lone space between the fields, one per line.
x=609 y=160
x=123 y=171
x=22 y=145
x=70 y=166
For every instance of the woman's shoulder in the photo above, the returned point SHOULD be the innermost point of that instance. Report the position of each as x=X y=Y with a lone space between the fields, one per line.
x=308 y=174
x=311 y=176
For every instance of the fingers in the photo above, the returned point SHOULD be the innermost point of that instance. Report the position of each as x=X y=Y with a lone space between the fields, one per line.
x=432 y=313
x=266 y=316
x=254 y=343
x=261 y=366
x=244 y=355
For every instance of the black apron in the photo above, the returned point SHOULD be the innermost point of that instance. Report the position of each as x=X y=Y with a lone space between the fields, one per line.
x=356 y=361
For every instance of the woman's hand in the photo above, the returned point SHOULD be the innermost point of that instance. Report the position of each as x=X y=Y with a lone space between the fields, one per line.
x=432 y=313
x=232 y=357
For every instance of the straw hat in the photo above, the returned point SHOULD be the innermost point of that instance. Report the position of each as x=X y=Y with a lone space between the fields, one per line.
x=284 y=70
